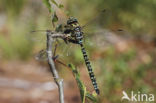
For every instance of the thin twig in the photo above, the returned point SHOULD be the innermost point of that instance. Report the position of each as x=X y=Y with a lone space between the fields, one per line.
x=58 y=80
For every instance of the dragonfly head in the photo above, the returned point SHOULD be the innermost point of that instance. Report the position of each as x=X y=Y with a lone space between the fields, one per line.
x=72 y=21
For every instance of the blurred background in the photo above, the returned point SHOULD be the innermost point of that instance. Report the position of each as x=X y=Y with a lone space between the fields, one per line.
x=121 y=44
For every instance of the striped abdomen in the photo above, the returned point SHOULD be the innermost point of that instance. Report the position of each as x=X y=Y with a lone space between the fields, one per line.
x=91 y=73
x=79 y=39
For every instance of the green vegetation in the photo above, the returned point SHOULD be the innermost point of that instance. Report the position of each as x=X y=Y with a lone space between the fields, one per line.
x=83 y=92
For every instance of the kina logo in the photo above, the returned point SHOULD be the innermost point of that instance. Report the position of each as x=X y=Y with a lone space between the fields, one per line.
x=140 y=97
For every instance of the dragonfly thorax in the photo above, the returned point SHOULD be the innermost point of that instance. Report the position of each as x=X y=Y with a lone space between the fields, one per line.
x=71 y=20
x=74 y=29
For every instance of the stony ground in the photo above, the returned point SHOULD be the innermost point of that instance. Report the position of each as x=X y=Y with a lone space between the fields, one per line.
x=30 y=82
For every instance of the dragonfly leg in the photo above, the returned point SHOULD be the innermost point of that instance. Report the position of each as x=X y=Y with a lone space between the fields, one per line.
x=55 y=57
x=55 y=50
x=73 y=41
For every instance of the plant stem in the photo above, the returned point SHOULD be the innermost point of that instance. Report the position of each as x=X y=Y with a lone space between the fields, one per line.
x=57 y=79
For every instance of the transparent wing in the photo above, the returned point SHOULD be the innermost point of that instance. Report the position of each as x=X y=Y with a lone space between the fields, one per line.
x=39 y=39
x=94 y=18
x=41 y=55
x=98 y=28
x=59 y=49
x=101 y=18
x=65 y=50
x=103 y=38
x=101 y=32
x=37 y=36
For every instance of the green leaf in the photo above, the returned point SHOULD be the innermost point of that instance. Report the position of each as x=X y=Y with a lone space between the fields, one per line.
x=48 y=5
x=83 y=92
x=54 y=2
x=54 y=18
x=61 y=6
x=91 y=97
x=59 y=28
x=80 y=84
x=82 y=89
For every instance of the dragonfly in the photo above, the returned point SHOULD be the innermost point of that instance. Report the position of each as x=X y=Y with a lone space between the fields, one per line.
x=75 y=35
